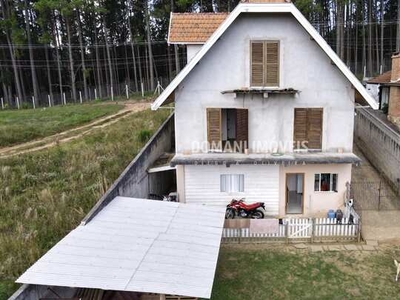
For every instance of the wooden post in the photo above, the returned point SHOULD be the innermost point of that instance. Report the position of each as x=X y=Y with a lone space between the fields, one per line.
x=127 y=91
x=33 y=102
x=287 y=231
x=95 y=94
x=312 y=229
x=142 y=87
x=2 y=103
x=80 y=96
x=112 y=93
x=240 y=234
x=359 y=231
x=17 y=102
x=48 y=98
x=65 y=99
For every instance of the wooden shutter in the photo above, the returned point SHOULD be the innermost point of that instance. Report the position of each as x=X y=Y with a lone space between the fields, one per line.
x=257 y=64
x=308 y=124
x=300 y=127
x=314 y=130
x=242 y=128
x=214 y=131
x=271 y=64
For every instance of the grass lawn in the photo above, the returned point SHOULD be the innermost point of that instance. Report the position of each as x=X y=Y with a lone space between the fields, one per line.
x=45 y=194
x=256 y=272
x=18 y=126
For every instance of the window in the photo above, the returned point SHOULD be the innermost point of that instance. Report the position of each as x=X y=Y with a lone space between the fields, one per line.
x=325 y=182
x=307 y=128
x=232 y=183
x=265 y=63
x=227 y=129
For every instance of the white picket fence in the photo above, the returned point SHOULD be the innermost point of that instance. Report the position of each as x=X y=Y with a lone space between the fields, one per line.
x=292 y=229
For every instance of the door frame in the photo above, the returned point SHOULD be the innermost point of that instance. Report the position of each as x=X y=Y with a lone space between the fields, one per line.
x=287 y=194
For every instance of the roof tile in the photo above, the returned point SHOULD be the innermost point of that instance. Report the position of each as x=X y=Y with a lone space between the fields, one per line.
x=194 y=27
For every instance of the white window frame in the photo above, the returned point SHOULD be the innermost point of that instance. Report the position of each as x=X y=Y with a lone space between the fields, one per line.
x=227 y=183
x=331 y=190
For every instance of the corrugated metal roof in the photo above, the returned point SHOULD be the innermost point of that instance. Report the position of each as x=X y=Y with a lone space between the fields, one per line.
x=138 y=245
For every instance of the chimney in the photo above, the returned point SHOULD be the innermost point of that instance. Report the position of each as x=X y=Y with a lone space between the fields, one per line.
x=394 y=98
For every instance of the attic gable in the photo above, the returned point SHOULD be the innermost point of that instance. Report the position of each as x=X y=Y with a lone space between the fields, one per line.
x=265 y=8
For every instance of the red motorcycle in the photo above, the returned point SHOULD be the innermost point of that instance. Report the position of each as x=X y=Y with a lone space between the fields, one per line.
x=241 y=209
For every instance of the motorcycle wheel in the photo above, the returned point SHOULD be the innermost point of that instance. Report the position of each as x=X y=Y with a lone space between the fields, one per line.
x=257 y=214
x=230 y=213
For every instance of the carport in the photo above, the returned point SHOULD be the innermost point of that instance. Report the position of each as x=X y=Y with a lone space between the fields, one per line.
x=137 y=245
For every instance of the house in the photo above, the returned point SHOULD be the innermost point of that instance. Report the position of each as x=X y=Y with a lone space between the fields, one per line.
x=387 y=86
x=379 y=89
x=264 y=110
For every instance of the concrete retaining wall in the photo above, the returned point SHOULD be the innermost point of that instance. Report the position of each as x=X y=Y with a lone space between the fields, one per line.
x=134 y=180
x=380 y=144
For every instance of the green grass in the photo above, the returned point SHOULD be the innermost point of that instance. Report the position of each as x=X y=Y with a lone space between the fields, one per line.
x=18 y=126
x=45 y=194
x=254 y=273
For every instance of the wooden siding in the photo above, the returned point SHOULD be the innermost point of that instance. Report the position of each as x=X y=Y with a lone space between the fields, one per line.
x=261 y=183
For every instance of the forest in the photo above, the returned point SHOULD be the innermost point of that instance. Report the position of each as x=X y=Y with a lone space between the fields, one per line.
x=57 y=51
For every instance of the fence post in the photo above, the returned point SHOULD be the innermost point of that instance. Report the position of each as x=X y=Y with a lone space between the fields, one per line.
x=359 y=231
x=95 y=94
x=379 y=194
x=312 y=229
x=48 y=98
x=142 y=87
x=80 y=96
x=2 y=103
x=33 y=102
x=17 y=102
x=65 y=99
x=287 y=231
x=240 y=234
x=112 y=93
x=127 y=91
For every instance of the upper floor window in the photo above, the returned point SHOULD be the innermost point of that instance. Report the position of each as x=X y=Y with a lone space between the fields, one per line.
x=227 y=129
x=264 y=64
x=307 y=131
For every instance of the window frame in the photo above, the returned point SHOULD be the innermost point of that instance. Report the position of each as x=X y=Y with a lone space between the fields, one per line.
x=333 y=184
x=240 y=184
x=264 y=64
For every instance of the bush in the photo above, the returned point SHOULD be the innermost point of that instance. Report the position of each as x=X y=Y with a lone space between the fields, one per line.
x=144 y=135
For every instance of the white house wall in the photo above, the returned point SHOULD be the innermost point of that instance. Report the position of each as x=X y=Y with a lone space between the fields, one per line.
x=304 y=66
x=191 y=50
x=261 y=183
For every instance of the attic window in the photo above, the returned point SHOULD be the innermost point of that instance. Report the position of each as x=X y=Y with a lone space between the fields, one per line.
x=264 y=64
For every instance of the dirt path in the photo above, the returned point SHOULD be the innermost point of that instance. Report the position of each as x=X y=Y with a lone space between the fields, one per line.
x=74 y=133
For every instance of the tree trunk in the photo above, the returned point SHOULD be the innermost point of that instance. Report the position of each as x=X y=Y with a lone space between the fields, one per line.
x=382 y=33
x=31 y=58
x=84 y=72
x=108 y=56
x=57 y=42
x=150 y=52
x=370 y=71
x=133 y=54
x=10 y=45
x=398 y=27
x=71 y=59
x=48 y=73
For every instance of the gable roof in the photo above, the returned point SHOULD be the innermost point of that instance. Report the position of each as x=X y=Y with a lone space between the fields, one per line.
x=264 y=8
x=383 y=78
x=193 y=28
